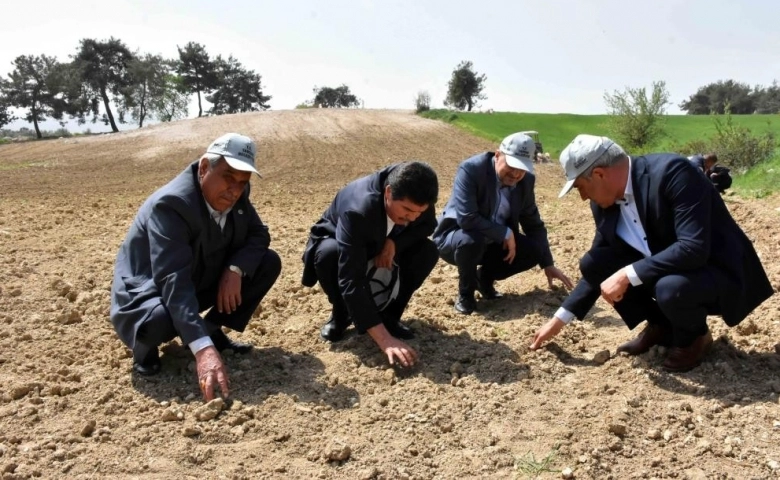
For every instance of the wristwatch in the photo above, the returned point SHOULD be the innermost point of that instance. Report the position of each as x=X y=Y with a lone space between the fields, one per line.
x=237 y=270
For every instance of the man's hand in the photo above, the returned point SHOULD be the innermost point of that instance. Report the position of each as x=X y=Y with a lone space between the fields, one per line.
x=546 y=332
x=395 y=349
x=229 y=294
x=613 y=288
x=211 y=372
x=386 y=256
x=554 y=272
x=510 y=247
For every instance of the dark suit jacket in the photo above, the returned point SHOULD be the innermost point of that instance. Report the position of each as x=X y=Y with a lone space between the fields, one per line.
x=357 y=220
x=688 y=227
x=474 y=198
x=167 y=250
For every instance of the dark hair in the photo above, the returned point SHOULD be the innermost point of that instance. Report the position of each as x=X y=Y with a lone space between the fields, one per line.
x=414 y=181
x=711 y=157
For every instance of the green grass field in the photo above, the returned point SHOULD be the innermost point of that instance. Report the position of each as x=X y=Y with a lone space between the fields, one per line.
x=556 y=130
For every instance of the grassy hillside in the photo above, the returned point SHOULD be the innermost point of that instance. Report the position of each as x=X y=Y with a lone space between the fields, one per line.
x=556 y=130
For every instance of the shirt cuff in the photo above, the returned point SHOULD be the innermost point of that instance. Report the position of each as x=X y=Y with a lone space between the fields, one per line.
x=508 y=233
x=200 y=344
x=564 y=315
x=632 y=276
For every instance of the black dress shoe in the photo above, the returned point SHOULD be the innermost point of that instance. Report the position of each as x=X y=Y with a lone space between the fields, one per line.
x=223 y=342
x=486 y=289
x=466 y=304
x=148 y=365
x=398 y=329
x=333 y=331
x=147 y=369
x=488 y=292
x=146 y=360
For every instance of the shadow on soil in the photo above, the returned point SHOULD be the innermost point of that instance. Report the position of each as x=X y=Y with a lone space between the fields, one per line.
x=253 y=377
x=728 y=374
x=442 y=355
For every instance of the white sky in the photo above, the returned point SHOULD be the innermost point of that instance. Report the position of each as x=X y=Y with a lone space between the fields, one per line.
x=539 y=56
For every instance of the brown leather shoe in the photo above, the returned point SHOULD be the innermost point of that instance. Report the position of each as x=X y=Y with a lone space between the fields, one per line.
x=682 y=359
x=652 y=335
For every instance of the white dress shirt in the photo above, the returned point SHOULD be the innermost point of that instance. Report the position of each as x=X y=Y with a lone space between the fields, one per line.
x=220 y=218
x=630 y=229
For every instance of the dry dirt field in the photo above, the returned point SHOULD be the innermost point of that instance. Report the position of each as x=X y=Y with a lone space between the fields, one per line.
x=479 y=405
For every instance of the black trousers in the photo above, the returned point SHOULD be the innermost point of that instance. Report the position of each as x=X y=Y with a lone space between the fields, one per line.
x=680 y=301
x=468 y=249
x=415 y=263
x=158 y=328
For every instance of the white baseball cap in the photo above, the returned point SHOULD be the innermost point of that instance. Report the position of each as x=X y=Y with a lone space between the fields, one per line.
x=237 y=150
x=519 y=149
x=580 y=154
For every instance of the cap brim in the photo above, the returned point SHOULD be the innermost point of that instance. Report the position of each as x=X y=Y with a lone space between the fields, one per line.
x=241 y=165
x=520 y=163
x=567 y=187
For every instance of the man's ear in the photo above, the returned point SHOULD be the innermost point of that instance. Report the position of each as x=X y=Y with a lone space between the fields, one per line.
x=203 y=166
x=599 y=172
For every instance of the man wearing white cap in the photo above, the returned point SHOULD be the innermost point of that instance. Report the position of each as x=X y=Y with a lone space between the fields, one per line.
x=479 y=229
x=666 y=250
x=196 y=243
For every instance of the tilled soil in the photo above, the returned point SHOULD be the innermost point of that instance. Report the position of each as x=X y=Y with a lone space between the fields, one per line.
x=479 y=404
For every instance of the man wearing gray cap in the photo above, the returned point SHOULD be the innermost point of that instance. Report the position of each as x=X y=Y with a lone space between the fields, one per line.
x=196 y=243
x=479 y=229
x=666 y=250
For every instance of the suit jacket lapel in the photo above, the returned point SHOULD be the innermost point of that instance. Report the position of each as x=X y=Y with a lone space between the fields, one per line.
x=641 y=184
x=490 y=182
x=607 y=226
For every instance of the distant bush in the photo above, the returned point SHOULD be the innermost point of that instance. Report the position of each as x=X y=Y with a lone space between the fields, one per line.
x=637 y=117
x=306 y=104
x=422 y=101
x=738 y=147
x=692 y=147
x=25 y=133
x=735 y=145
x=60 y=132
x=440 y=114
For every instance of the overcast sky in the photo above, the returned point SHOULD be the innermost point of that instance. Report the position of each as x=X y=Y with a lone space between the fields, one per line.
x=539 y=56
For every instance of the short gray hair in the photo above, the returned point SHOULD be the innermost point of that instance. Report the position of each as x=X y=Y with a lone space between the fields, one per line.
x=213 y=159
x=612 y=156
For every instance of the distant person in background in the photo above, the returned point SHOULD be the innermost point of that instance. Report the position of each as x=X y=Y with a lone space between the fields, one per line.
x=196 y=243
x=479 y=229
x=666 y=250
x=382 y=220
x=718 y=175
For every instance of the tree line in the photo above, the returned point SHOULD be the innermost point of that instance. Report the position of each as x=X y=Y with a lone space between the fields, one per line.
x=102 y=73
x=145 y=86
x=104 y=80
x=740 y=98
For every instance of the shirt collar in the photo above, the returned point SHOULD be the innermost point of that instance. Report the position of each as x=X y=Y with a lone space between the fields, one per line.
x=214 y=213
x=628 y=194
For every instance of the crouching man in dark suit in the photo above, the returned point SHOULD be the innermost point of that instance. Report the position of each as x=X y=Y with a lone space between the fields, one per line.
x=666 y=250
x=385 y=217
x=196 y=243
x=493 y=197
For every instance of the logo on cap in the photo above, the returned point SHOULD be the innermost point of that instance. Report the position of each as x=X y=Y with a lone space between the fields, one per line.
x=580 y=161
x=247 y=152
x=523 y=152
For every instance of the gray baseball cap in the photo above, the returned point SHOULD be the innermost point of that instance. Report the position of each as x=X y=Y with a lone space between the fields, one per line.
x=519 y=149
x=238 y=150
x=580 y=154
